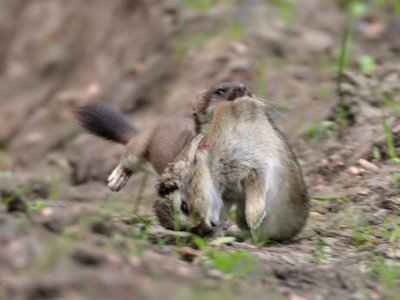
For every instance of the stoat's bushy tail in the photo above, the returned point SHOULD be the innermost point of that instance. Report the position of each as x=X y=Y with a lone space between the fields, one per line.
x=104 y=122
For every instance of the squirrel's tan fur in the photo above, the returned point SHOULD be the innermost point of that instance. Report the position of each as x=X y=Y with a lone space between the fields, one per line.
x=246 y=161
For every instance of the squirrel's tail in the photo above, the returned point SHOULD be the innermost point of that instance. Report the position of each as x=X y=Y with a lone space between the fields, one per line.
x=104 y=122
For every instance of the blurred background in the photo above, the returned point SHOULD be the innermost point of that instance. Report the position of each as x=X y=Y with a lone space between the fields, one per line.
x=325 y=67
x=148 y=59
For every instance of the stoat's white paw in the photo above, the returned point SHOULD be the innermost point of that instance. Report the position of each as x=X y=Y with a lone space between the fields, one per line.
x=117 y=179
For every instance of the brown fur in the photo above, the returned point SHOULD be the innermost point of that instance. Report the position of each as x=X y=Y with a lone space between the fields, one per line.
x=161 y=145
x=206 y=100
x=150 y=150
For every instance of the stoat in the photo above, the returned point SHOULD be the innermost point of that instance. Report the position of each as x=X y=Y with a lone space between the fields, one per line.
x=150 y=150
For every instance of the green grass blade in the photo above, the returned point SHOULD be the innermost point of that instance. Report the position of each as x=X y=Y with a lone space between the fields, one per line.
x=327 y=199
x=390 y=141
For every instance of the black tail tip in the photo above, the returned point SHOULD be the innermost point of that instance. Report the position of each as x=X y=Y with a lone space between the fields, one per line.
x=101 y=120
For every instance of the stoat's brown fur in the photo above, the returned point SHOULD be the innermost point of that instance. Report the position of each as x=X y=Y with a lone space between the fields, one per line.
x=246 y=161
x=149 y=151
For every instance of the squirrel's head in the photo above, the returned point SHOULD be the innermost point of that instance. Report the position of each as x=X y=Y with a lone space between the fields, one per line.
x=207 y=99
x=188 y=200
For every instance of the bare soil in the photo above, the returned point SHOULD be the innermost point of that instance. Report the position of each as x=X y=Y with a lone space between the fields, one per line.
x=63 y=235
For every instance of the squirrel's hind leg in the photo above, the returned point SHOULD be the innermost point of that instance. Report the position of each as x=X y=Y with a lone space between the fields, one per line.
x=255 y=208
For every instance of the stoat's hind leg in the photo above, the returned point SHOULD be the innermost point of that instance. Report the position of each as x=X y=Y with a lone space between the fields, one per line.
x=118 y=177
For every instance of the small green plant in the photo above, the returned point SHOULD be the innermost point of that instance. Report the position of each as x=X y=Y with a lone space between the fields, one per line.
x=366 y=64
x=396 y=5
x=71 y=232
x=234 y=29
x=55 y=190
x=389 y=101
x=392 y=235
x=395 y=176
x=4 y=158
x=203 y=5
x=238 y=263
x=377 y=153
x=320 y=129
x=222 y=240
x=285 y=9
x=344 y=55
x=55 y=251
x=361 y=232
x=36 y=205
x=140 y=234
x=319 y=254
x=358 y=236
x=185 y=240
x=390 y=141
x=194 y=41
x=355 y=9
x=326 y=198
x=388 y=274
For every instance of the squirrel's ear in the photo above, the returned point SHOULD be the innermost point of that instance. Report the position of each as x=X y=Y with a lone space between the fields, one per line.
x=166 y=187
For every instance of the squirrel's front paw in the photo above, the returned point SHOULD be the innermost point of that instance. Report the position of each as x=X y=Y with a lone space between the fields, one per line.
x=117 y=179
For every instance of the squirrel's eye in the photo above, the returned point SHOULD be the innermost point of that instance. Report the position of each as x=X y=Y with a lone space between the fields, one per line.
x=220 y=92
x=184 y=208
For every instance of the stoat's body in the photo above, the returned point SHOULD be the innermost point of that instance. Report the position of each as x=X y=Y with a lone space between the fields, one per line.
x=148 y=151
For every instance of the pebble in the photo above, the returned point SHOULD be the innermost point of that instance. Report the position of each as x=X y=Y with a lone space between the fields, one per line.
x=188 y=253
x=364 y=192
x=296 y=297
x=47 y=211
x=113 y=259
x=396 y=199
x=396 y=129
x=367 y=165
x=354 y=171
x=134 y=261
x=317 y=215
x=216 y=274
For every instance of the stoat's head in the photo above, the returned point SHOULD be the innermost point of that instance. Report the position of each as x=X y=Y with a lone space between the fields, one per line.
x=188 y=199
x=205 y=100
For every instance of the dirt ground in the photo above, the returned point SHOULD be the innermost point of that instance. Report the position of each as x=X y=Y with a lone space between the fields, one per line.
x=64 y=235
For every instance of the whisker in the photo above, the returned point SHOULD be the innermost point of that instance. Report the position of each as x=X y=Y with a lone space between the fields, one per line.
x=273 y=105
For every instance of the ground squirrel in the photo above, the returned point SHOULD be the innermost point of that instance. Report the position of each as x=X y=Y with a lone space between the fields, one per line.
x=244 y=160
